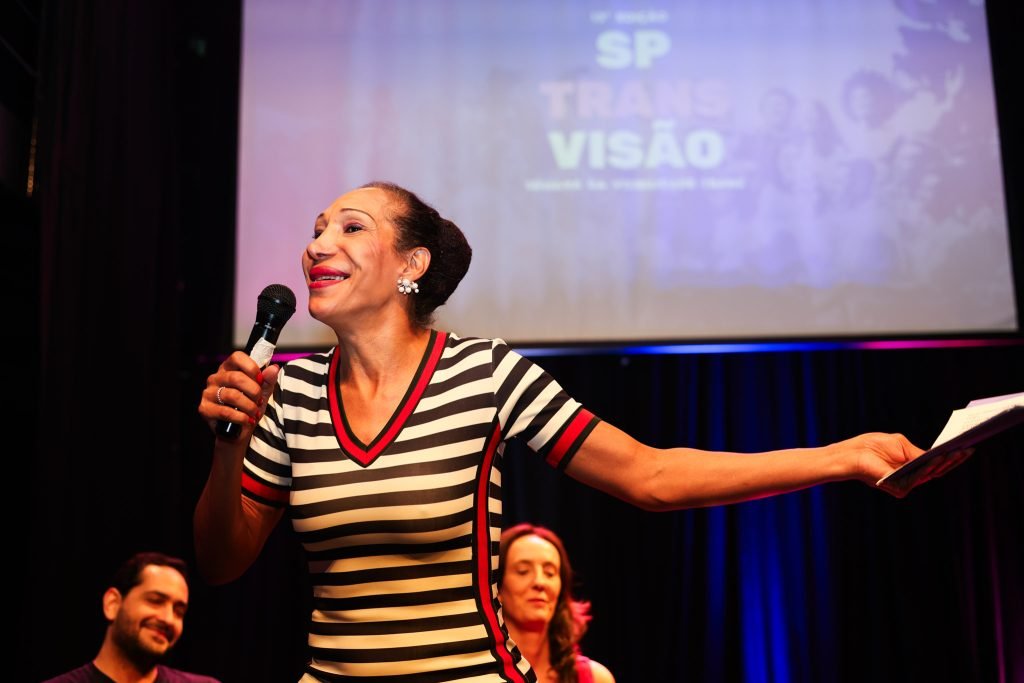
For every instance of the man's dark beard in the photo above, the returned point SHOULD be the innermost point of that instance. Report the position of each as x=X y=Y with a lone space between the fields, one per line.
x=130 y=644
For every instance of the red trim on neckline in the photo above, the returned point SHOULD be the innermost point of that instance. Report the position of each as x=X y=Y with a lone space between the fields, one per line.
x=366 y=455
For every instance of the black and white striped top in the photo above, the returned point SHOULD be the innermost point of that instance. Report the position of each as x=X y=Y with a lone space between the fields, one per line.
x=402 y=533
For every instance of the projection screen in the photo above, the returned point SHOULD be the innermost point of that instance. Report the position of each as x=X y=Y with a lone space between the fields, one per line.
x=660 y=171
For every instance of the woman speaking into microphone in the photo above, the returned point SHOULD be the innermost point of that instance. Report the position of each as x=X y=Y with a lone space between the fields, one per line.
x=385 y=452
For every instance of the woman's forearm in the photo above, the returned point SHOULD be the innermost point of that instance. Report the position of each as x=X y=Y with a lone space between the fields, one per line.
x=229 y=529
x=669 y=479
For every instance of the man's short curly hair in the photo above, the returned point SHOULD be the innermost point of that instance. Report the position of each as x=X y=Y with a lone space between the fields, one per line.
x=129 y=574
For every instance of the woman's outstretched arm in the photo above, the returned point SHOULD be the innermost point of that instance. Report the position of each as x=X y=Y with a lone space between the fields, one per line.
x=676 y=478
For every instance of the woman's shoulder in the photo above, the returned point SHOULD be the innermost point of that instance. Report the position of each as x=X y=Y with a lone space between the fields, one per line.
x=304 y=368
x=309 y=361
x=599 y=673
x=457 y=344
x=456 y=338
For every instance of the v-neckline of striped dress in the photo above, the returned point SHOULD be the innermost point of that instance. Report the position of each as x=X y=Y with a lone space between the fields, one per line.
x=349 y=443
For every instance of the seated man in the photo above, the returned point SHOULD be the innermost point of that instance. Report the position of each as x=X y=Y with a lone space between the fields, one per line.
x=145 y=607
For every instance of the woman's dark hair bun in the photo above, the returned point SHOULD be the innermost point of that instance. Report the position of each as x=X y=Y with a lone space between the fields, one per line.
x=420 y=225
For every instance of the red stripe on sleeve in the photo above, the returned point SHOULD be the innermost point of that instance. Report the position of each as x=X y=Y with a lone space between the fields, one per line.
x=258 y=488
x=569 y=436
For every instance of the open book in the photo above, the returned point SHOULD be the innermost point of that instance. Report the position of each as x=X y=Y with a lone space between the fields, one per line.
x=967 y=427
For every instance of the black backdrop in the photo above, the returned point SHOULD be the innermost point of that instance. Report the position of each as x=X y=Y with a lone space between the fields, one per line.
x=121 y=260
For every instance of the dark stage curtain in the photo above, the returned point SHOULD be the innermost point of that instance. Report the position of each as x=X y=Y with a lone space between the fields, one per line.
x=133 y=269
x=132 y=264
x=836 y=583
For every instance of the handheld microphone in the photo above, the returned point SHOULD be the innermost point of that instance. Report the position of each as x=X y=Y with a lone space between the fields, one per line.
x=274 y=307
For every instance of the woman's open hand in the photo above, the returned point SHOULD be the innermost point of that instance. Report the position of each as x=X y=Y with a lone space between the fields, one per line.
x=874 y=455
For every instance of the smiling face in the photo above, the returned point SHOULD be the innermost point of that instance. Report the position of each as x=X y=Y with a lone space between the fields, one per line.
x=351 y=266
x=531 y=584
x=147 y=622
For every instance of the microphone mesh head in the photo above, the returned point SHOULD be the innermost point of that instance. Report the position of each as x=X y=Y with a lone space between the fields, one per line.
x=276 y=300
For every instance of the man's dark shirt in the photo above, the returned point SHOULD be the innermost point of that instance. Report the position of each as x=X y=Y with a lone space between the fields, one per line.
x=165 y=674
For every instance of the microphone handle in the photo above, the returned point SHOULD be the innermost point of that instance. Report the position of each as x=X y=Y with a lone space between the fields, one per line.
x=260 y=347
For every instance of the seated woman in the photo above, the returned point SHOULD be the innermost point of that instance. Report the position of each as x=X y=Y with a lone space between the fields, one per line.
x=535 y=589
